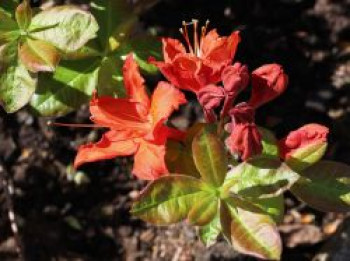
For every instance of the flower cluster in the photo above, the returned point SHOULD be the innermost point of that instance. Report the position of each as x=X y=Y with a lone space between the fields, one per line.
x=137 y=123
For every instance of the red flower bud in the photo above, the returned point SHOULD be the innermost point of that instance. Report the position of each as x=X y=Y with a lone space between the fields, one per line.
x=245 y=140
x=210 y=96
x=235 y=78
x=268 y=81
x=306 y=135
x=242 y=113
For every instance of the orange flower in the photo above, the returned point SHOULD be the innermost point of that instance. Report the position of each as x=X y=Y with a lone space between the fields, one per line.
x=203 y=62
x=136 y=125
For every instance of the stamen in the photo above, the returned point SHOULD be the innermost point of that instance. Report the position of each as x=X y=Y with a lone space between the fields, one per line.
x=50 y=123
x=184 y=32
x=195 y=38
x=204 y=32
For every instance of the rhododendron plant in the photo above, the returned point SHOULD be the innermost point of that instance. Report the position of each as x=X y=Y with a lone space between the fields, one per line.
x=226 y=175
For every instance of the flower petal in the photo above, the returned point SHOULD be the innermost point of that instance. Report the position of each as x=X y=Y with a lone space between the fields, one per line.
x=119 y=114
x=171 y=48
x=184 y=72
x=268 y=81
x=149 y=163
x=111 y=145
x=135 y=84
x=219 y=51
x=165 y=99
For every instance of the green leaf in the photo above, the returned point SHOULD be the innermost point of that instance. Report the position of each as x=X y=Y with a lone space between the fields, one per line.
x=24 y=15
x=210 y=157
x=110 y=80
x=260 y=178
x=210 y=232
x=38 y=55
x=71 y=27
x=169 y=199
x=8 y=28
x=115 y=19
x=250 y=231
x=204 y=210
x=8 y=54
x=9 y=6
x=67 y=89
x=144 y=47
x=87 y=51
x=325 y=186
x=179 y=159
x=179 y=156
x=7 y=23
x=17 y=86
x=274 y=207
x=306 y=156
x=269 y=143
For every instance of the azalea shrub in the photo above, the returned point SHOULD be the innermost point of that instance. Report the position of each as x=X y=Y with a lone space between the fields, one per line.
x=53 y=59
x=225 y=175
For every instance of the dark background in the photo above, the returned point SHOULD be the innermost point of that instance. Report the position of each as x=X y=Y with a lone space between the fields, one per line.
x=60 y=220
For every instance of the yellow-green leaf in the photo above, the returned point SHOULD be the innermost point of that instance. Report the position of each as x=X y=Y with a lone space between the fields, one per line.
x=17 y=86
x=67 y=89
x=204 y=210
x=38 y=55
x=269 y=143
x=260 y=177
x=306 y=156
x=210 y=232
x=68 y=27
x=250 y=231
x=24 y=15
x=169 y=199
x=210 y=157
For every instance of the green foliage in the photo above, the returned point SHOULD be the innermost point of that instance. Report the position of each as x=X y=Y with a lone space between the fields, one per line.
x=325 y=186
x=269 y=143
x=249 y=230
x=169 y=199
x=51 y=42
x=210 y=157
x=100 y=62
x=260 y=177
x=306 y=156
x=32 y=43
x=243 y=204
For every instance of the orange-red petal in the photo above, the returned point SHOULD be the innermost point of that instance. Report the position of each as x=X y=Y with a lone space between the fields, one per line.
x=149 y=163
x=219 y=51
x=135 y=84
x=165 y=99
x=118 y=114
x=171 y=48
x=111 y=145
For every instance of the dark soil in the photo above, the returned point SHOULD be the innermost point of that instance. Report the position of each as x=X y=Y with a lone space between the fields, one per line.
x=62 y=220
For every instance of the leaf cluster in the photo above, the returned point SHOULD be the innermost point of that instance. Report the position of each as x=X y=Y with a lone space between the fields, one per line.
x=242 y=201
x=54 y=59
